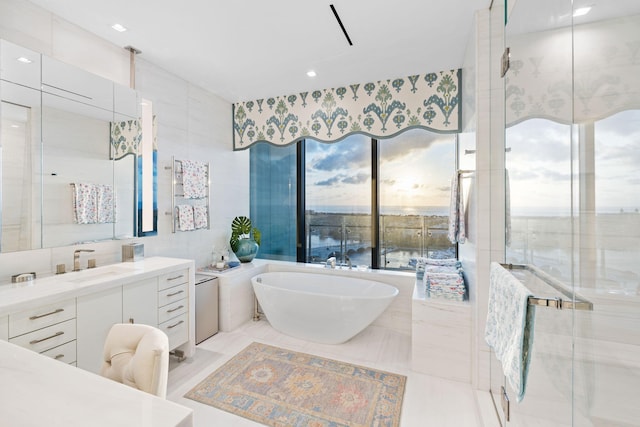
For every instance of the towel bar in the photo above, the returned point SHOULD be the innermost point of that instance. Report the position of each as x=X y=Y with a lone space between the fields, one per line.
x=554 y=302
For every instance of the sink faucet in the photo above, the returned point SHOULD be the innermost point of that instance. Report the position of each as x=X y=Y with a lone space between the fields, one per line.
x=331 y=262
x=76 y=258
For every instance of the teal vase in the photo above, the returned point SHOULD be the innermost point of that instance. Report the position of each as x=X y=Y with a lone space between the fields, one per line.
x=247 y=250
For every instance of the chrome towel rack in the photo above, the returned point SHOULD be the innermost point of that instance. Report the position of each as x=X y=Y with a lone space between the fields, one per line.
x=570 y=303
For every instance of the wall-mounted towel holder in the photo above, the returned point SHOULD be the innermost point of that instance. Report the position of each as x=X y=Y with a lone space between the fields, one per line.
x=571 y=303
x=177 y=193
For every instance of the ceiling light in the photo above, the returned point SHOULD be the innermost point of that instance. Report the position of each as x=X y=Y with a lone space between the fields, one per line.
x=581 y=11
x=311 y=73
x=24 y=60
x=119 y=28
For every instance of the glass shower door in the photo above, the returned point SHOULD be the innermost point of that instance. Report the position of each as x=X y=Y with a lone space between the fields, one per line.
x=572 y=150
x=539 y=198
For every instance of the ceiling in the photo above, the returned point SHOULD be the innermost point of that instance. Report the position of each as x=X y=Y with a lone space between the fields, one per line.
x=251 y=49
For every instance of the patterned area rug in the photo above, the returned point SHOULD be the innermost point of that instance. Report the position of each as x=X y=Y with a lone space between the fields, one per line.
x=279 y=387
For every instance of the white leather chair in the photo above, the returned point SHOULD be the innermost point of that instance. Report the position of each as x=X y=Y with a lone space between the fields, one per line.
x=137 y=355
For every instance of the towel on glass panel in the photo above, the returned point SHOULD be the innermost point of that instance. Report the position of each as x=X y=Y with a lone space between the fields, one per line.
x=509 y=328
x=194 y=179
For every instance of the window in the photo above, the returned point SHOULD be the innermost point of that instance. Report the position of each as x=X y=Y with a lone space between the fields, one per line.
x=338 y=200
x=316 y=200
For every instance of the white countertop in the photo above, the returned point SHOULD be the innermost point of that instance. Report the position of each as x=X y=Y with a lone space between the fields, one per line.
x=40 y=391
x=19 y=296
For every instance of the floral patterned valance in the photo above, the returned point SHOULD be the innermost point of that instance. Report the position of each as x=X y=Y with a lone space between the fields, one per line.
x=126 y=136
x=380 y=109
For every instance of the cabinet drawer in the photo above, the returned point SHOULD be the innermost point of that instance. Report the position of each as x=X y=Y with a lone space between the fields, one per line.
x=172 y=310
x=177 y=329
x=172 y=279
x=47 y=338
x=40 y=317
x=64 y=353
x=168 y=296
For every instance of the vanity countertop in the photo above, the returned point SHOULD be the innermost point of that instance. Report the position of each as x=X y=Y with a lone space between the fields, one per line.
x=40 y=391
x=20 y=296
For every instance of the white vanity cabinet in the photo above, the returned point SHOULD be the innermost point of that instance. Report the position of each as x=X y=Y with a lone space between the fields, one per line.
x=173 y=306
x=48 y=329
x=96 y=313
x=139 y=302
x=68 y=316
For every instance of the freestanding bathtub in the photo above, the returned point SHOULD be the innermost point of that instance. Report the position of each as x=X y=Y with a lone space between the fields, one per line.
x=322 y=308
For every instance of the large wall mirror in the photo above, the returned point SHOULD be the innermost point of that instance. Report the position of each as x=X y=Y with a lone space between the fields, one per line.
x=71 y=158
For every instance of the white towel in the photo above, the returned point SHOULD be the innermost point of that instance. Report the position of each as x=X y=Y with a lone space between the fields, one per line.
x=185 y=218
x=200 y=216
x=509 y=329
x=457 y=227
x=194 y=179
x=84 y=203
x=106 y=204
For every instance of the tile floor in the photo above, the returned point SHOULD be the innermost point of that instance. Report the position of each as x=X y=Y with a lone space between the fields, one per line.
x=428 y=401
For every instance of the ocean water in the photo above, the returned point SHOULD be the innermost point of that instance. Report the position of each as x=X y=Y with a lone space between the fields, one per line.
x=384 y=210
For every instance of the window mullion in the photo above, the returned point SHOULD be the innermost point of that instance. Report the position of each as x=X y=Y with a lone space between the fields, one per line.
x=375 y=205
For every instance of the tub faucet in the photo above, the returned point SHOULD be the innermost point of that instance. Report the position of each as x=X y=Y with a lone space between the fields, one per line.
x=331 y=262
x=76 y=258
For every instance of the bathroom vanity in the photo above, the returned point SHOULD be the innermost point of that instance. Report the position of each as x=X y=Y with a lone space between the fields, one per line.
x=67 y=317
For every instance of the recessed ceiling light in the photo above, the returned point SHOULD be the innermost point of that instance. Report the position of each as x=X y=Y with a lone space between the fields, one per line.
x=311 y=73
x=24 y=60
x=581 y=11
x=119 y=28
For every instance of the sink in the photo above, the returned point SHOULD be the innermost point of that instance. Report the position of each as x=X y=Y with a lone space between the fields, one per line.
x=99 y=273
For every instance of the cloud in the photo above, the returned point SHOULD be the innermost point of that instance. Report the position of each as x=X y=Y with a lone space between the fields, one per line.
x=331 y=181
x=356 y=179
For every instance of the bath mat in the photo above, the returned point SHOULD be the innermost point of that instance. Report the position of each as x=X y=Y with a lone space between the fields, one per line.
x=279 y=387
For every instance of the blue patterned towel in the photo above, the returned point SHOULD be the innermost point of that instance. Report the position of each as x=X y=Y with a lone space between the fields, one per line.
x=509 y=329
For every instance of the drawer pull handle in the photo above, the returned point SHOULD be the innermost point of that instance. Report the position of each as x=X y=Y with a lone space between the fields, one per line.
x=173 y=326
x=176 y=277
x=59 y=310
x=59 y=356
x=175 y=309
x=57 y=334
x=175 y=293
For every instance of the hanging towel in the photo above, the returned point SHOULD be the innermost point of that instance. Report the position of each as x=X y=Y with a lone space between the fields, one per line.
x=194 y=179
x=457 y=227
x=200 y=217
x=106 y=204
x=509 y=328
x=185 y=218
x=84 y=203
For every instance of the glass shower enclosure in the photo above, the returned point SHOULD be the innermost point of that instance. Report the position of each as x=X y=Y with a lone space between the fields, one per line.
x=572 y=150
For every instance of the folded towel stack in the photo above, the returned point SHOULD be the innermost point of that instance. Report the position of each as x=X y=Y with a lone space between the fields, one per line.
x=443 y=278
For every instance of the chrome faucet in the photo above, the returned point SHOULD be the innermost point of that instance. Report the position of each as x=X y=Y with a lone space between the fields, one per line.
x=331 y=262
x=76 y=258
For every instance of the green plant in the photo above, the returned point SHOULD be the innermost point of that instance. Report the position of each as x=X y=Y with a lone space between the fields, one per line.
x=241 y=229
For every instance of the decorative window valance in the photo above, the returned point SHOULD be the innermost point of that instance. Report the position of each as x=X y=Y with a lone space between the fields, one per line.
x=126 y=136
x=380 y=109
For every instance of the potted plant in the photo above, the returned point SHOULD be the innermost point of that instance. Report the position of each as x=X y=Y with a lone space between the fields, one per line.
x=245 y=239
